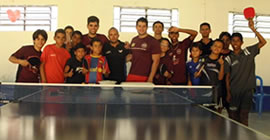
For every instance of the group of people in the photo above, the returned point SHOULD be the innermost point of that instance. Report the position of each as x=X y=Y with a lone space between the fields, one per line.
x=90 y=58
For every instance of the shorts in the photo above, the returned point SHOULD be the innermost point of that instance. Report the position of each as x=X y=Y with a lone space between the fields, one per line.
x=241 y=100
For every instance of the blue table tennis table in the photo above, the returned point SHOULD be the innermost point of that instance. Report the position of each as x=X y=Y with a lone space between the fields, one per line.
x=87 y=112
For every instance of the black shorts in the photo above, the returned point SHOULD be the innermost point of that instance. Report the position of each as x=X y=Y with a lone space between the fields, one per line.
x=242 y=100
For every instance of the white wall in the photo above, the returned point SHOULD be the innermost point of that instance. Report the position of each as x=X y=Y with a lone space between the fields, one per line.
x=192 y=13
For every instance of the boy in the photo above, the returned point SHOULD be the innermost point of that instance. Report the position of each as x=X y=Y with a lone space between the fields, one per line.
x=178 y=54
x=165 y=69
x=226 y=37
x=76 y=66
x=93 y=25
x=76 y=38
x=158 y=28
x=53 y=59
x=195 y=51
x=116 y=54
x=205 y=30
x=145 y=54
x=68 y=30
x=211 y=70
x=240 y=78
x=97 y=63
x=29 y=72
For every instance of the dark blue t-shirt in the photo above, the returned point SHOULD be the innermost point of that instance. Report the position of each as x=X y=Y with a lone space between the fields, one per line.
x=191 y=69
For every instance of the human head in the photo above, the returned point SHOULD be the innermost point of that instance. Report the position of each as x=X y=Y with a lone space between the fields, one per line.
x=195 y=50
x=141 y=26
x=93 y=24
x=158 y=27
x=80 y=51
x=96 y=46
x=217 y=46
x=113 y=35
x=39 y=38
x=205 y=29
x=173 y=35
x=164 y=45
x=60 y=37
x=76 y=38
x=237 y=41
x=69 y=30
x=226 y=38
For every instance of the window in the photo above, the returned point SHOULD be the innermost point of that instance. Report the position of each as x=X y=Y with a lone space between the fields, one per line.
x=238 y=23
x=125 y=18
x=28 y=18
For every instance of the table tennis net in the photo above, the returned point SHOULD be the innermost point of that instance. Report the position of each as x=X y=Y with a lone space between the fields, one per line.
x=106 y=94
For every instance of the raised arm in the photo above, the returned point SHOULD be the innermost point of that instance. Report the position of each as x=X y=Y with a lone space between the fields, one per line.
x=261 y=39
x=221 y=71
x=192 y=33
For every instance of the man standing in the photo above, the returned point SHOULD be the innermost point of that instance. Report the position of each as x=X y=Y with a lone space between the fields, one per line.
x=178 y=54
x=240 y=77
x=116 y=54
x=205 y=30
x=93 y=26
x=145 y=54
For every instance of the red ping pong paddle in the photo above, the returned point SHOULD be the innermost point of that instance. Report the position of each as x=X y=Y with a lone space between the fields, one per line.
x=249 y=13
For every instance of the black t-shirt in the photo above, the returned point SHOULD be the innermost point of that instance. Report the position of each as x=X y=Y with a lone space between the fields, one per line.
x=210 y=72
x=206 y=48
x=27 y=74
x=116 y=57
x=76 y=66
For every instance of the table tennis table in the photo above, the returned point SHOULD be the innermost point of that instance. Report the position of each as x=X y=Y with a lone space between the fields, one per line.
x=94 y=112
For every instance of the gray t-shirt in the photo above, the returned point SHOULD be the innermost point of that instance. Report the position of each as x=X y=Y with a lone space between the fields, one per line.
x=242 y=69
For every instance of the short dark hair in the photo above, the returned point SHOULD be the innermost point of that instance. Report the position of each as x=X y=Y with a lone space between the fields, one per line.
x=38 y=32
x=237 y=35
x=158 y=22
x=62 y=31
x=93 y=19
x=77 y=32
x=162 y=39
x=80 y=45
x=196 y=45
x=219 y=40
x=95 y=40
x=225 y=34
x=142 y=19
x=205 y=24
x=69 y=27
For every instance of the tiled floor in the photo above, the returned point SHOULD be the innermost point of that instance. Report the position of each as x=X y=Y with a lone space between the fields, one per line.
x=261 y=124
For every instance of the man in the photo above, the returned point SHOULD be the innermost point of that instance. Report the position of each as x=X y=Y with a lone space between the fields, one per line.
x=240 y=78
x=116 y=54
x=158 y=28
x=93 y=25
x=178 y=54
x=145 y=54
x=205 y=30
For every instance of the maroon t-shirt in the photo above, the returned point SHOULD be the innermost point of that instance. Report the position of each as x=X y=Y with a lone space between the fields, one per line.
x=165 y=64
x=26 y=74
x=178 y=57
x=86 y=40
x=142 y=50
